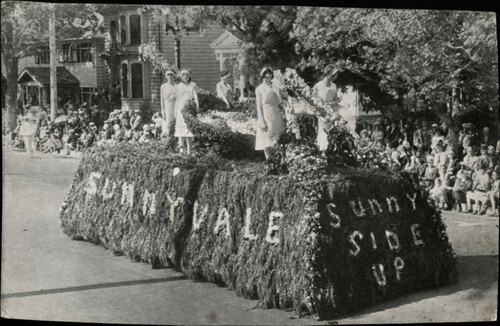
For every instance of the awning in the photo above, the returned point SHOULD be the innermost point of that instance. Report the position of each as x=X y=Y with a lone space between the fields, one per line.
x=41 y=76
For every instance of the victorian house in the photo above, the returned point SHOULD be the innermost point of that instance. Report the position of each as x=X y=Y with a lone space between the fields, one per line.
x=204 y=52
x=80 y=71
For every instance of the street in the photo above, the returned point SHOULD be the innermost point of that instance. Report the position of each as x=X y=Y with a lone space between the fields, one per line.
x=48 y=276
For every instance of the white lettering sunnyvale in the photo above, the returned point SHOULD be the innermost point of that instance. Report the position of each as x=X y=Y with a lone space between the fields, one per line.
x=247 y=233
x=173 y=204
x=272 y=235
x=223 y=221
x=106 y=193
x=198 y=220
x=127 y=194
x=149 y=199
x=91 y=186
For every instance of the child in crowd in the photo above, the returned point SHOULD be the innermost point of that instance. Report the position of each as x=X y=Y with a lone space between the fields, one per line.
x=481 y=185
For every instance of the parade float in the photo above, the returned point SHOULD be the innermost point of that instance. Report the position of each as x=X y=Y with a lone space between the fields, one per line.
x=304 y=231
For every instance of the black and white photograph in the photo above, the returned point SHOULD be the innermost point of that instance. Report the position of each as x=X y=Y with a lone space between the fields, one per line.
x=240 y=164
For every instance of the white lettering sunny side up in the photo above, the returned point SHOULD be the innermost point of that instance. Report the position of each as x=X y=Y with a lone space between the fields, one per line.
x=223 y=222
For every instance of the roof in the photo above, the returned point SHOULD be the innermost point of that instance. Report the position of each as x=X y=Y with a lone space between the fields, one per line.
x=41 y=75
x=229 y=39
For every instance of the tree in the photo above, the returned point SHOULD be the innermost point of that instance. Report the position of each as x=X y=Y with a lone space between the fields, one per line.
x=25 y=26
x=407 y=60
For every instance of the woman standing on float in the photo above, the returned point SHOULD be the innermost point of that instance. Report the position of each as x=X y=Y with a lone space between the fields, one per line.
x=186 y=91
x=326 y=90
x=168 y=93
x=271 y=123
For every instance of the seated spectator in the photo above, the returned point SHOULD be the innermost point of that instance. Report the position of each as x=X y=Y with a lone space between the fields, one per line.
x=436 y=137
x=431 y=173
x=462 y=185
x=71 y=142
x=440 y=159
x=414 y=162
x=470 y=159
x=436 y=193
x=494 y=158
x=447 y=191
x=128 y=133
x=484 y=159
x=54 y=142
x=453 y=165
x=378 y=134
x=494 y=192
x=481 y=186
x=118 y=134
x=146 y=135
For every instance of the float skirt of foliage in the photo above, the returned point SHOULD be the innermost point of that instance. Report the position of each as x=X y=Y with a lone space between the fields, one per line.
x=323 y=246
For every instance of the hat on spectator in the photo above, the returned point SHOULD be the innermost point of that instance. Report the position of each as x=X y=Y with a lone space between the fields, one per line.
x=185 y=71
x=265 y=70
x=225 y=73
x=71 y=131
x=418 y=122
x=435 y=125
x=330 y=71
x=484 y=146
x=91 y=124
x=491 y=148
x=137 y=111
x=172 y=70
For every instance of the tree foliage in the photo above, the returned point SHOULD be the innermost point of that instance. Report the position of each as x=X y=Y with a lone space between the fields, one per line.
x=405 y=58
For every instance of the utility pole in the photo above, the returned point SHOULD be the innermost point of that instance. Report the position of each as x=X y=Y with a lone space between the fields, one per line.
x=53 y=63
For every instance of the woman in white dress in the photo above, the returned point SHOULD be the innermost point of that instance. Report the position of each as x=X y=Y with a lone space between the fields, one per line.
x=186 y=91
x=326 y=90
x=168 y=94
x=28 y=129
x=271 y=123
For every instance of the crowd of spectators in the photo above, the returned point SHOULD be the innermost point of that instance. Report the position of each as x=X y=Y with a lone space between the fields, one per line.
x=465 y=179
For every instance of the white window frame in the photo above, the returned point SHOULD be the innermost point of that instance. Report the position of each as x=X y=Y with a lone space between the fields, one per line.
x=129 y=78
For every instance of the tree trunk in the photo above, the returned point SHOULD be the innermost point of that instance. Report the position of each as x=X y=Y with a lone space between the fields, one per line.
x=11 y=102
x=53 y=64
x=453 y=129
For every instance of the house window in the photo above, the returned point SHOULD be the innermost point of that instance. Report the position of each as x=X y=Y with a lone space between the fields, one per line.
x=123 y=30
x=136 y=69
x=113 y=31
x=42 y=55
x=135 y=29
x=124 y=80
x=86 y=94
x=73 y=53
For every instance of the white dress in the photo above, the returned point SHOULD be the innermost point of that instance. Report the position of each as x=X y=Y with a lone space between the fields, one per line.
x=268 y=98
x=168 y=98
x=327 y=94
x=29 y=125
x=184 y=94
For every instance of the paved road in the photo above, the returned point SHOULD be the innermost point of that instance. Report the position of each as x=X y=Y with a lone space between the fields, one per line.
x=47 y=276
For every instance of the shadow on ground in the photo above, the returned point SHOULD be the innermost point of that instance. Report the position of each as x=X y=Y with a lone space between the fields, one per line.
x=476 y=273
